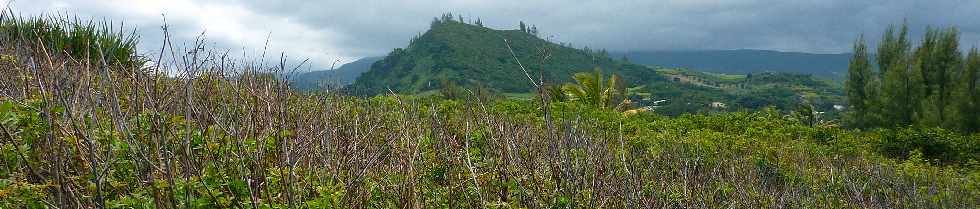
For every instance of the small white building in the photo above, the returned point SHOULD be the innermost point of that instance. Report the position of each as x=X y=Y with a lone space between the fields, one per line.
x=718 y=105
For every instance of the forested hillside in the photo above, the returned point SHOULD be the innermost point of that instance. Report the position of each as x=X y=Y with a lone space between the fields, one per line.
x=471 y=55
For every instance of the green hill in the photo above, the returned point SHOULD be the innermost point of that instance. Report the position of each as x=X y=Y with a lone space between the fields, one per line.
x=342 y=76
x=472 y=56
x=469 y=55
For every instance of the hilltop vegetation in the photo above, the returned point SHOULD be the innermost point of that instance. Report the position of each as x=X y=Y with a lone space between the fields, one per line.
x=235 y=135
x=470 y=55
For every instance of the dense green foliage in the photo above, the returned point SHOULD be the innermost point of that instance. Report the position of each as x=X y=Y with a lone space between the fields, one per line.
x=932 y=85
x=860 y=85
x=96 y=41
x=595 y=90
x=442 y=154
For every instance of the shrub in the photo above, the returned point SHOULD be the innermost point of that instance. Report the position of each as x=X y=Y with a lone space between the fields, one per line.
x=935 y=144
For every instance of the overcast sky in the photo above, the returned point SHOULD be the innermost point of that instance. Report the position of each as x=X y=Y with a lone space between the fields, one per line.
x=325 y=31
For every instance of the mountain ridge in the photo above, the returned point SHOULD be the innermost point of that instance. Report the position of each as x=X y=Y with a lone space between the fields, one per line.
x=335 y=78
x=744 y=61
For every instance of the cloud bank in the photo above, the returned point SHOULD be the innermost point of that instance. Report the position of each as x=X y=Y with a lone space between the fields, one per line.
x=327 y=31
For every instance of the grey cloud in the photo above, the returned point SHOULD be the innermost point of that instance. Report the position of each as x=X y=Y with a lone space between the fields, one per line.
x=372 y=27
x=827 y=26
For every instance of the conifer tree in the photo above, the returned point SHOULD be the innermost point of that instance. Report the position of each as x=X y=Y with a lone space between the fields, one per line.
x=937 y=62
x=949 y=65
x=435 y=22
x=523 y=27
x=893 y=61
x=969 y=107
x=479 y=22
x=887 y=50
x=857 y=85
x=922 y=88
x=448 y=17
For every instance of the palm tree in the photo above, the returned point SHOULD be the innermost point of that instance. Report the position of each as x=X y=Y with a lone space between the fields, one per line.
x=554 y=93
x=590 y=89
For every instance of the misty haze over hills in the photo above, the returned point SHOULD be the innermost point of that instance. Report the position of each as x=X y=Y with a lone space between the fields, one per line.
x=341 y=76
x=739 y=61
x=743 y=61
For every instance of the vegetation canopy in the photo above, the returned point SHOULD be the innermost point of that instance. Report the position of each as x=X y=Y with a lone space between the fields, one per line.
x=931 y=85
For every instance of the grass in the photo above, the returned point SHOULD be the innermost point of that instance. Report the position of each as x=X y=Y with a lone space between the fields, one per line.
x=519 y=96
x=726 y=77
x=99 y=42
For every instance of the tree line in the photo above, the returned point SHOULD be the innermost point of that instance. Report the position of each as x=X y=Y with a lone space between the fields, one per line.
x=450 y=17
x=931 y=85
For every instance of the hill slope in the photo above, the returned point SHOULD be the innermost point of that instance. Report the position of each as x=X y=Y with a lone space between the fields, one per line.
x=745 y=61
x=454 y=53
x=344 y=75
x=469 y=55
x=754 y=91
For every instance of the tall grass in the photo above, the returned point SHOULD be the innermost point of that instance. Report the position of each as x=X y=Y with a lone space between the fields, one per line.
x=70 y=36
x=231 y=134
